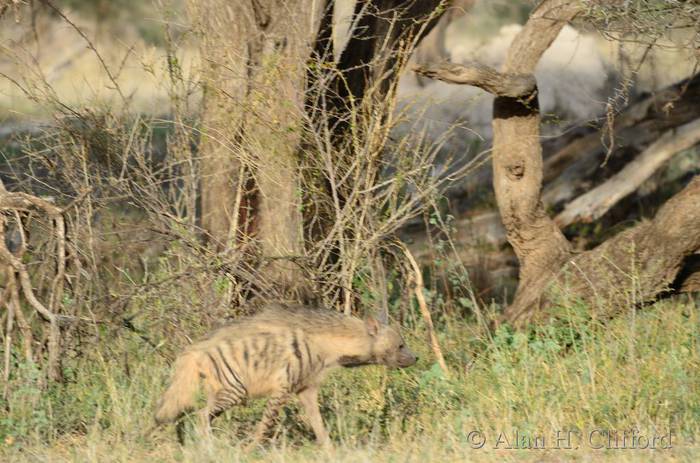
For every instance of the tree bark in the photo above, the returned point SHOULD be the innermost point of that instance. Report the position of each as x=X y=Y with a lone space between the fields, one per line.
x=517 y=161
x=688 y=279
x=255 y=54
x=258 y=84
x=279 y=47
x=482 y=76
x=223 y=70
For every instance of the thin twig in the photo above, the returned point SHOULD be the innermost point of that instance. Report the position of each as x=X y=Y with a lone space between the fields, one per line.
x=423 y=306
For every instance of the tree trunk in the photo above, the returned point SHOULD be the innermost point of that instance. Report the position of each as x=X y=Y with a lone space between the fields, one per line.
x=517 y=161
x=222 y=73
x=279 y=46
x=255 y=54
x=384 y=29
x=349 y=97
x=259 y=82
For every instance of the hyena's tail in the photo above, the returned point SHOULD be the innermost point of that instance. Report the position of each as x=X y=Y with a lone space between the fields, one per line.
x=180 y=396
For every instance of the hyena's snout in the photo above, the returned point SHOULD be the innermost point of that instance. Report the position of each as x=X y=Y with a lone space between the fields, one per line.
x=406 y=358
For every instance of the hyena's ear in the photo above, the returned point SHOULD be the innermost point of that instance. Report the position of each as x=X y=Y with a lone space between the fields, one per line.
x=372 y=325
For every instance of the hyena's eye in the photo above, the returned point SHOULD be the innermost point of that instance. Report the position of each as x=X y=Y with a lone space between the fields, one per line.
x=402 y=345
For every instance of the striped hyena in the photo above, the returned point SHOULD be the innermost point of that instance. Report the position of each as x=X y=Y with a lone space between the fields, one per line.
x=280 y=352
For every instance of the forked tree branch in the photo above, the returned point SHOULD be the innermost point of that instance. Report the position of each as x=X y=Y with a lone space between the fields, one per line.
x=11 y=202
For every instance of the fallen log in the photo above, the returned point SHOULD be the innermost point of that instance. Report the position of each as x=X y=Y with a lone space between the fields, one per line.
x=590 y=159
x=596 y=202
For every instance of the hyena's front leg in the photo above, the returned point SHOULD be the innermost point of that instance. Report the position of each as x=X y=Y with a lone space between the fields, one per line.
x=309 y=401
x=272 y=410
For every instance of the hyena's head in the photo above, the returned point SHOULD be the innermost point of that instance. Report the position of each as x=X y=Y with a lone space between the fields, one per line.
x=389 y=347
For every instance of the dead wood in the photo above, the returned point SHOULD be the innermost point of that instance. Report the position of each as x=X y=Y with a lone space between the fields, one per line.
x=596 y=202
x=596 y=153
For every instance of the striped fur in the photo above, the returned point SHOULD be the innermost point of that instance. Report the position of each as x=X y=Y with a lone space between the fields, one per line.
x=281 y=352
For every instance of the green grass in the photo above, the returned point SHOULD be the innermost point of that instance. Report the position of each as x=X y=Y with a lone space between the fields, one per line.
x=639 y=371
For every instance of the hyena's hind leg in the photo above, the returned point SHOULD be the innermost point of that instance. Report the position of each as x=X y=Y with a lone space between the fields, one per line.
x=272 y=410
x=217 y=403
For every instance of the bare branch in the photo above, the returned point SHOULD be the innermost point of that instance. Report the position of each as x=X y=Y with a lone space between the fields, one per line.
x=541 y=29
x=482 y=76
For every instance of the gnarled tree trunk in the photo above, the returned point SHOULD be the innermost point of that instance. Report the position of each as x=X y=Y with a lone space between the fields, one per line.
x=631 y=268
x=639 y=263
x=517 y=160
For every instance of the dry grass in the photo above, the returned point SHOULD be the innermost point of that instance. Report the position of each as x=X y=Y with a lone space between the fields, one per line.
x=637 y=372
x=47 y=57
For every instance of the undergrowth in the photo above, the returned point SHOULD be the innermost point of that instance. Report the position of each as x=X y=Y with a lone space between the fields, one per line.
x=636 y=375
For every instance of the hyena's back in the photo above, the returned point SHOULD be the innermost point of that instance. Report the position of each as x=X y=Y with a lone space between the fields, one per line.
x=237 y=362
